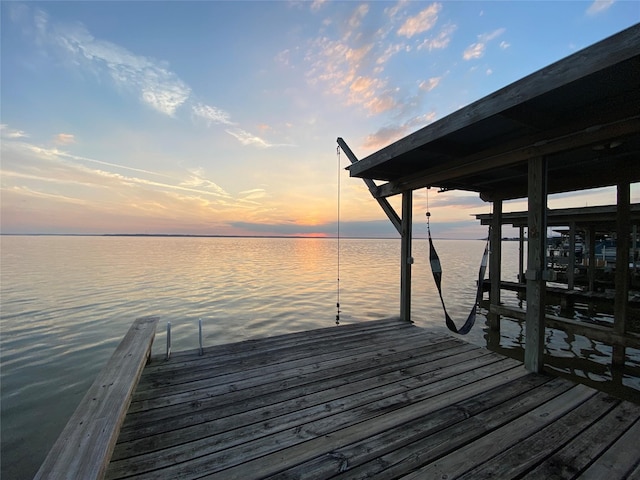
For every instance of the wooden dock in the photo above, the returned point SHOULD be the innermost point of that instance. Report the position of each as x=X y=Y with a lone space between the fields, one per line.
x=381 y=399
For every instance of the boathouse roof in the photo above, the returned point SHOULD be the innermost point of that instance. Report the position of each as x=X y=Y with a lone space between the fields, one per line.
x=581 y=113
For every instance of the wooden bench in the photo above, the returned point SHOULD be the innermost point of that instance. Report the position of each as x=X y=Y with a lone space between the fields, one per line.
x=84 y=447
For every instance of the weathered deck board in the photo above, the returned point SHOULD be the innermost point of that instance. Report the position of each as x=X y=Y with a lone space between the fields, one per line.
x=282 y=401
x=84 y=447
x=383 y=399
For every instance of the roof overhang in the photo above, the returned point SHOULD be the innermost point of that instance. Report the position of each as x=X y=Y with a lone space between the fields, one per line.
x=581 y=113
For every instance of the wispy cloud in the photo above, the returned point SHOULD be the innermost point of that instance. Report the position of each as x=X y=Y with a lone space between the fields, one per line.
x=247 y=138
x=599 y=6
x=197 y=180
x=54 y=152
x=430 y=84
x=370 y=92
x=476 y=50
x=423 y=21
x=391 y=133
x=392 y=12
x=358 y=14
x=7 y=132
x=390 y=52
x=352 y=65
x=154 y=83
x=384 y=136
x=284 y=57
x=22 y=160
x=56 y=197
x=151 y=80
x=64 y=139
x=441 y=40
x=316 y=5
x=212 y=115
x=253 y=194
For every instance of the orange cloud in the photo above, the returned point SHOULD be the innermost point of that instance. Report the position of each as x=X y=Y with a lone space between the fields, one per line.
x=423 y=21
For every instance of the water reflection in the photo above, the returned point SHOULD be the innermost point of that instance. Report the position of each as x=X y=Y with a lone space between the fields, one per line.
x=572 y=356
x=67 y=302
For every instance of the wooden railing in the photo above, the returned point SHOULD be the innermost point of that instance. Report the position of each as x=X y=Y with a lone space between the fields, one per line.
x=595 y=332
x=84 y=447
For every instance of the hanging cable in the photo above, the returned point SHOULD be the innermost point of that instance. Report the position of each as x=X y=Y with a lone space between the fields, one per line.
x=338 y=245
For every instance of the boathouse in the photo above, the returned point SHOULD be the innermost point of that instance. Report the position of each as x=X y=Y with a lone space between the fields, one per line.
x=387 y=399
x=574 y=125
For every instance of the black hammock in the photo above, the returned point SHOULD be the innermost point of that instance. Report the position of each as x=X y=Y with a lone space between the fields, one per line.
x=436 y=269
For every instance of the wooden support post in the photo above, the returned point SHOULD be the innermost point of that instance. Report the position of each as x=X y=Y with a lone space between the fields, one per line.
x=521 y=255
x=634 y=247
x=591 y=272
x=623 y=220
x=405 y=256
x=495 y=263
x=571 y=265
x=536 y=264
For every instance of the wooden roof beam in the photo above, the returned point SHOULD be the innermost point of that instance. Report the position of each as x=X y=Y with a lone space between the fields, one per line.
x=485 y=161
x=627 y=167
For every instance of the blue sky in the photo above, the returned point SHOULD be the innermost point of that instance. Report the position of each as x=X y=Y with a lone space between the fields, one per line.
x=221 y=117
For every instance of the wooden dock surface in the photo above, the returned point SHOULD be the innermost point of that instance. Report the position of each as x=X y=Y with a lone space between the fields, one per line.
x=84 y=447
x=381 y=399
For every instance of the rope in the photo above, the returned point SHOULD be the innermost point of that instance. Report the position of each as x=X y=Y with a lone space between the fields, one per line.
x=436 y=269
x=338 y=246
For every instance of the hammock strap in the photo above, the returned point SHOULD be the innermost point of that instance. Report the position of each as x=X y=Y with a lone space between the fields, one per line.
x=436 y=269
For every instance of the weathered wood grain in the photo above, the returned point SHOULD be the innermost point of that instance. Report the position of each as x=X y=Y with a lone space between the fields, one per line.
x=84 y=447
x=575 y=457
x=316 y=405
x=530 y=451
x=620 y=460
x=387 y=400
x=321 y=384
x=455 y=463
x=368 y=457
x=239 y=380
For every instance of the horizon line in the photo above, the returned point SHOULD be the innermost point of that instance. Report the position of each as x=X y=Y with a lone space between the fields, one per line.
x=196 y=235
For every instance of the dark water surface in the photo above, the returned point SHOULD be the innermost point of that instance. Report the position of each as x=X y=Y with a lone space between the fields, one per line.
x=66 y=302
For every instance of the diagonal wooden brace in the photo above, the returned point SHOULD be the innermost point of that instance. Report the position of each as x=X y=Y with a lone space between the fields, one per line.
x=386 y=206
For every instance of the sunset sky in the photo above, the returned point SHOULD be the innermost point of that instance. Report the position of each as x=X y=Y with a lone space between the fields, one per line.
x=222 y=117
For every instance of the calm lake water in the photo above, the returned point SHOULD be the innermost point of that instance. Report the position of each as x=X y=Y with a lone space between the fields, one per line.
x=68 y=301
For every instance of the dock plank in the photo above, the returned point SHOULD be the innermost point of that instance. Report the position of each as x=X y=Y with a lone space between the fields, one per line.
x=299 y=373
x=518 y=459
x=217 y=416
x=310 y=441
x=386 y=399
x=259 y=438
x=495 y=442
x=368 y=457
x=573 y=458
x=84 y=447
x=619 y=461
x=212 y=373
